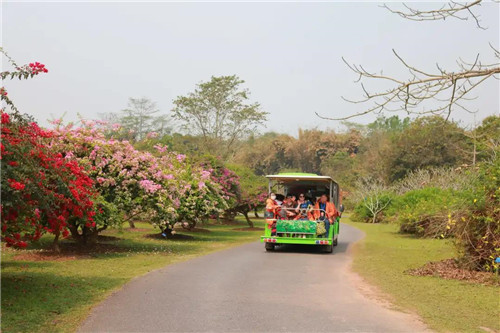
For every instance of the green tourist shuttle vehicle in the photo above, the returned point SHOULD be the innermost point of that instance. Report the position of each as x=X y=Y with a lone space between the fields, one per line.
x=306 y=230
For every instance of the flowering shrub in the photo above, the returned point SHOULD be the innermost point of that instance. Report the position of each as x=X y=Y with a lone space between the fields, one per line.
x=246 y=190
x=163 y=186
x=41 y=191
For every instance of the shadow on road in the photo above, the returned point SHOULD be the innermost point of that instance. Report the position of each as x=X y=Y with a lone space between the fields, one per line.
x=310 y=249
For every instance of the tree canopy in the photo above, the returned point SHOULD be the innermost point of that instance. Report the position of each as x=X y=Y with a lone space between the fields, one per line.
x=219 y=112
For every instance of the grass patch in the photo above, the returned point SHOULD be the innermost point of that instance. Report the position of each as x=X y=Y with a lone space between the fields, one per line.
x=445 y=305
x=56 y=296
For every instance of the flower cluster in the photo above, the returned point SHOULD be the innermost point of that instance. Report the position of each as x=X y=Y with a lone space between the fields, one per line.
x=41 y=191
x=35 y=68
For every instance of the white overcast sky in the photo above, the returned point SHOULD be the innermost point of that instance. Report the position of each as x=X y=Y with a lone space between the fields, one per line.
x=289 y=54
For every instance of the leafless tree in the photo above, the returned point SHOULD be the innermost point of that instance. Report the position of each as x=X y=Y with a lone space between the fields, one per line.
x=373 y=194
x=447 y=90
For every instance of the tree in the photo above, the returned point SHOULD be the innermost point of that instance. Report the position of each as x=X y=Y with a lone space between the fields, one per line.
x=219 y=111
x=427 y=142
x=41 y=190
x=252 y=192
x=140 y=118
x=392 y=124
x=487 y=138
x=426 y=92
x=374 y=196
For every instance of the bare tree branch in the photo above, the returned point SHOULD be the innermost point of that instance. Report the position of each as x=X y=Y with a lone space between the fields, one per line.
x=458 y=10
x=423 y=86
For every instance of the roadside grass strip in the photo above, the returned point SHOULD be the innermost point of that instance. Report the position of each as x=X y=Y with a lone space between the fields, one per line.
x=57 y=295
x=445 y=305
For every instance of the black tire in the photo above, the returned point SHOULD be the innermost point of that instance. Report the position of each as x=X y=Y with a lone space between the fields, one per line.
x=335 y=242
x=328 y=248
x=269 y=247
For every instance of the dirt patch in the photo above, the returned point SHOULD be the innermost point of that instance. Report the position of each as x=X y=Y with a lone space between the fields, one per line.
x=192 y=230
x=249 y=229
x=448 y=269
x=69 y=251
x=172 y=237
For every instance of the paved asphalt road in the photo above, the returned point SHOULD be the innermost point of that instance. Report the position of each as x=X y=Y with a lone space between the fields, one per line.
x=246 y=289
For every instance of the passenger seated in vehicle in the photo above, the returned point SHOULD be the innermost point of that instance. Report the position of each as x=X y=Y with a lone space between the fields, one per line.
x=279 y=199
x=272 y=213
x=303 y=208
x=325 y=211
x=272 y=207
x=288 y=209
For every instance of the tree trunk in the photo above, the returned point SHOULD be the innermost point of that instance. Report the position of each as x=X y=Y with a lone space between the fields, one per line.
x=255 y=213
x=74 y=233
x=55 y=244
x=87 y=237
x=229 y=216
x=250 y=223
x=131 y=224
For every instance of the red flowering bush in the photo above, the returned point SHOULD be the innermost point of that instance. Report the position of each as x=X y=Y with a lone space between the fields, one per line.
x=41 y=190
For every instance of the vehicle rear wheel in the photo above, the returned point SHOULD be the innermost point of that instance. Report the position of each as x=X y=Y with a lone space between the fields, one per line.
x=328 y=248
x=335 y=242
x=269 y=247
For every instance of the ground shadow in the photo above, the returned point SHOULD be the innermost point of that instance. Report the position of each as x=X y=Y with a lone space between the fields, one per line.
x=171 y=237
x=311 y=249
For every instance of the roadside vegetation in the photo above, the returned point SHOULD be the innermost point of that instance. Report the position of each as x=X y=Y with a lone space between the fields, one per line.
x=385 y=257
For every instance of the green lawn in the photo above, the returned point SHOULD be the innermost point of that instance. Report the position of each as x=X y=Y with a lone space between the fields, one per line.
x=56 y=296
x=445 y=305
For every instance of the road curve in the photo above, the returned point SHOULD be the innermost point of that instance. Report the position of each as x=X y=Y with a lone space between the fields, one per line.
x=246 y=289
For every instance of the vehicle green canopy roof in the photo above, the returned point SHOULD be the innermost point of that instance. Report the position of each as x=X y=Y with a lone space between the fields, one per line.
x=299 y=176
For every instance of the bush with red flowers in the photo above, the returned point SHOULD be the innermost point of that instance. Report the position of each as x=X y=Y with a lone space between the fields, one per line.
x=41 y=190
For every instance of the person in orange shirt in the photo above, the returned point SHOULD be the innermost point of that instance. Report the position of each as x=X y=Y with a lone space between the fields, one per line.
x=325 y=211
x=272 y=212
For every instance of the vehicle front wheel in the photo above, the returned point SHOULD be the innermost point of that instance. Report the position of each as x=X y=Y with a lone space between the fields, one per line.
x=269 y=247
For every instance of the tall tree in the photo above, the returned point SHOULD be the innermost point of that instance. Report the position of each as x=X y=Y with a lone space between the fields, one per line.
x=427 y=142
x=219 y=111
x=141 y=117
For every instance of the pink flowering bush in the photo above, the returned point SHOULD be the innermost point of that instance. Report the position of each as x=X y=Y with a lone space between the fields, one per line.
x=162 y=186
x=243 y=190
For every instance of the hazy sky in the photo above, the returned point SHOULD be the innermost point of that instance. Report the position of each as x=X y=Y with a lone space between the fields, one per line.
x=289 y=54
